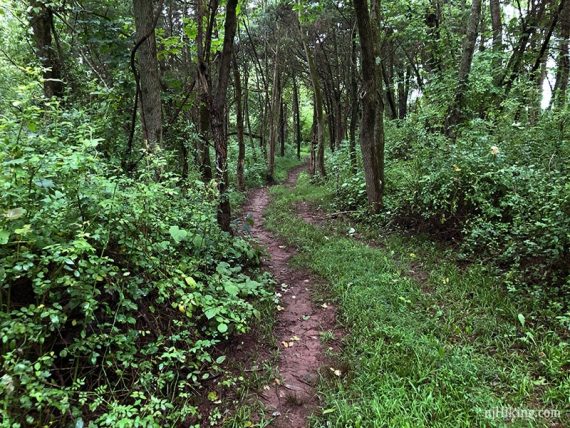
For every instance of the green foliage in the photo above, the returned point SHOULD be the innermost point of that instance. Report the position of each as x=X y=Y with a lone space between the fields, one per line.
x=504 y=199
x=115 y=289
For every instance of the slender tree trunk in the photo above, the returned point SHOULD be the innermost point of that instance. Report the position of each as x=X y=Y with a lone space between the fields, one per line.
x=455 y=112
x=218 y=106
x=239 y=128
x=318 y=105
x=274 y=119
x=297 y=117
x=150 y=102
x=529 y=26
x=314 y=140
x=497 y=27
x=371 y=132
x=353 y=102
x=41 y=21
x=563 y=66
x=203 y=42
x=282 y=127
x=247 y=116
x=403 y=91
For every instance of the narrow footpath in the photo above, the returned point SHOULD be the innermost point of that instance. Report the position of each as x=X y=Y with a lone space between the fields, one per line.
x=292 y=398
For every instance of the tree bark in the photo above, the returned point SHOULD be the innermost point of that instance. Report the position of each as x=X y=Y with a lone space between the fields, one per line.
x=563 y=66
x=274 y=119
x=41 y=21
x=353 y=102
x=150 y=102
x=314 y=140
x=282 y=126
x=371 y=129
x=218 y=106
x=456 y=110
x=203 y=42
x=497 y=28
x=318 y=105
x=297 y=117
x=239 y=128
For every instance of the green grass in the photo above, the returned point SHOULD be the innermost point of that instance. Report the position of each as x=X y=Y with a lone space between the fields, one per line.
x=436 y=351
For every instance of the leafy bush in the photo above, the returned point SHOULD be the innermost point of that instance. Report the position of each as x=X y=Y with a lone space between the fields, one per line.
x=503 y=200
x=115 y=290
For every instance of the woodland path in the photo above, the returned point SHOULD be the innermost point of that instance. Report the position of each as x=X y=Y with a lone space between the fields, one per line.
x=299 y=323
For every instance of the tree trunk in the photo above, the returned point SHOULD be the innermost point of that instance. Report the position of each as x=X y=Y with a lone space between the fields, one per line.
x=239 y=128
x=150 y=103
x=282 y=126
x=403 y=91
x=563 y=66
x=274 y=119
x=297 y=117
x=353 y=102
x=497 y=27
x=247 y=116
x=455 y=112
x=314 y=140
x=41 y=21
x=371 y=129
x=218 y=105
x=318 y=105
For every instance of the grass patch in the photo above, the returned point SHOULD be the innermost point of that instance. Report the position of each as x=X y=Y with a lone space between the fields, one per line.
x=437 y=351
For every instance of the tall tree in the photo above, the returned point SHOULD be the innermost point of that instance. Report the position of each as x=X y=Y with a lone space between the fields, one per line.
x=497 y=28
x=274 y=117
x=146 y=19
x=239 y=127
x=218 y=108
x=563 y=66
x=203 y=44
x=297 y=116
x=371 y=129
x=41 y=21
x=455 y=112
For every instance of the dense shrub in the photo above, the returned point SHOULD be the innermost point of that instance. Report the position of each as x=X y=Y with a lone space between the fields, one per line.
x=115 y=290
x=505 y=199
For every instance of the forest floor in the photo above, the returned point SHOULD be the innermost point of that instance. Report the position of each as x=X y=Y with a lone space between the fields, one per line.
x=299 y=325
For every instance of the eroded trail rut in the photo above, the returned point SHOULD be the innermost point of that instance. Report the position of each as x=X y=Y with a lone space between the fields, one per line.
x=299 y=324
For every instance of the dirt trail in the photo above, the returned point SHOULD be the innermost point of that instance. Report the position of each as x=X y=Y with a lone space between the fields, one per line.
x=298 y=327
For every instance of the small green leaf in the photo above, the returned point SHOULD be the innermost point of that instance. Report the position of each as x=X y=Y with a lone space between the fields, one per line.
x=4 y=237
x=521 y=319
x=231 y=289
x=222 y=327
x=190 y=281
x=211 y=313
x=178 y=234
